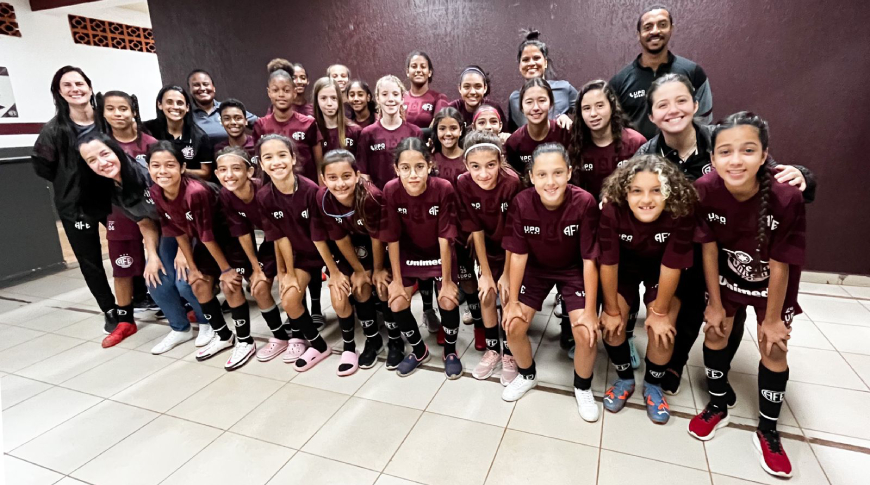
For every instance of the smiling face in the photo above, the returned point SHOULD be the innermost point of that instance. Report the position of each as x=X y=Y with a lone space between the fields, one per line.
x=644 y=196
x=173 y=105
x=483 y=165
x=550 y=176
x=413 y=169
x=340 y=179
x=74 y=89
x=673 y=108
x=340 y=74
x=234 y=121
x=419 y=71
x=281 y=92
x=448 y=133
x=202 y=88
x=327 y=99
x=595 y=109
x=165 y=170
x=737 y=157
x=536 y=105
x=232 y=172
x=472 y=89
x=488 y=121
x=655 y=31
x=101 y=159
x=389 y=98
x=532 y=62
x=358 y=98
x=300 y=80
x=277 y=160
x=118 y=113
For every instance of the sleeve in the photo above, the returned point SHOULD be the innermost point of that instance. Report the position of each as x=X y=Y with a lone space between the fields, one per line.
x=511 y=155
x=679 y=252
x=703 y=95
x=271 y=232
x=509 y=124
x=313 y=135
x=390 y=223
x=44 y=155
x=239 y=226
x=608 y=239
x=589 y=229
x=810 y=192
x=202 y=209
x=572 y=106
x=645 y=148
x=167 y=227
x=205 y=150
x=251 y=117
x=514 y=239
x=468 y=220
x=703 y=232
x=257 y=131
x=362 y=153
x=788 y=238
x=441 y=102
x=447 y=214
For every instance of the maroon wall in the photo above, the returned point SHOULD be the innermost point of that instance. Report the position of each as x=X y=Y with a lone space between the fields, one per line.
x=802 y=65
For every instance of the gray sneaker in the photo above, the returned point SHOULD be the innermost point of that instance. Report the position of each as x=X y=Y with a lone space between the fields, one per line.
x=431 y=320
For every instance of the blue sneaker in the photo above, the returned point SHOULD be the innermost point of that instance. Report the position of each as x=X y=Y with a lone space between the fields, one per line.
x=571 y=352
x=411 y=364
x=635 y=358
x=618 y=394
x=656 y=407
x=452 y=367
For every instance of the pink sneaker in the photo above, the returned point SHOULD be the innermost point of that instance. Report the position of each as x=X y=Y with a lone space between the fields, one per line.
x=487 y=365
x=295 y=348
x=349 y=362
x=271 y=350
x=508 y=369
x=311 y=357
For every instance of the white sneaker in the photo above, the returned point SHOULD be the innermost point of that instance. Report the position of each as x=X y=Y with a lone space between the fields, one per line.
x=557 y=303
x=214 y=347
x=519 y=387
x=171 y=340
x=586 y=405
x=467 y=318
x=204 y=336
x=241 y=353
x=431 y=320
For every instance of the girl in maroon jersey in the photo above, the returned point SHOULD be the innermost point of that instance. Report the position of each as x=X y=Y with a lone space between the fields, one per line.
x=360 y=106
x=420 y=230
x=473 y=90
x=485 y=193
x=421 y=102
x=300 y=80
x=486 y=118
x=190 y=212
x=536 y=98
x=335 y=129
x=753 y=235
x=292 y=221
x=377 y=142
x=551 y=237
x=235 y=172
x=645 y=235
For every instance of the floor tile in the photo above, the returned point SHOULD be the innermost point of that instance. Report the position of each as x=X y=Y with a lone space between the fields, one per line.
x=414 y=391
x=437 y=438
x=835 y=310
x=54 y=321
x=806 y=334
x=819 y=408
x=474 y=400
x=620 y=468
x=822 y=367
x=19 y=472
x=9 y=305
x=861 y=365
x=161 y=391
x=384 y=425
x=323 y=376
x=526 y=458
x=10 y=336
x=554 y=415
x=858 y=291
x=630 y=431
x=161 y=447
x=70 y=363
x=305 y=469
x=847 y=338
x=837 y=438
x=843 y=467
x=726 y=480
x=91 y=328
x=33 y=351
x=230 y=460
x=40 y=413
x=70 y=481
x=117 y=374
x=14 y=389
x=822 y=289
x=745 y=360
x=28 y=312
x=275 y=369
x=80 y=439
x=732 y=453
x=227 y=400
x=291 y=416
x=389 y=480
x=746 y=387
x=47 y=287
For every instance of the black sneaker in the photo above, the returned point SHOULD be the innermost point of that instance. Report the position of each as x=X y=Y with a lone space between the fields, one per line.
x=111 y=318
x=395 y=354
x=671 y=382
x=731 y=397
x=145 y=305
x=160 y=315
x=369 y=356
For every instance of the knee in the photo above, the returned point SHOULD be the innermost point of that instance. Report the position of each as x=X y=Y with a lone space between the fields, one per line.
x=581 y=336
x=447 y=305
x=398 y=305
x=262 y=292
x=202 y=290
x=517 y=330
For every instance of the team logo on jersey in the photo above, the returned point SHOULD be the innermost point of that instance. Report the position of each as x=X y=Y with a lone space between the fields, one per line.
x=504 y=206
x=240 y=271
x=741 y=264
x=167 y=215
x=522 y=289
x=475 y=205
x=305 y=214
x=348 y=142
x=148 y=199
x=339 y=220
x=433 y=211
x=637 y=94
x=587 y=167
x=255 y=160
x=359 y=222
x=362 y=252
x=707 y=169
x=626 y=237
x=188 y=216
x=713 y=217
x=187 y=152
x=403 y=211
x=581 y=294
x=531 y=229
x=243 y=214
x=427 y=107
x=772 y=223
x=110 y=226
x=714 y=374
x=142 y=159
x=571 y=229
x=662 y=237
x=378 y=147
x=526 y=158
x=773 y=396
x=82 y=225
x=124 y=261
x=298 y=135
x=621 y=163
x=278 y=214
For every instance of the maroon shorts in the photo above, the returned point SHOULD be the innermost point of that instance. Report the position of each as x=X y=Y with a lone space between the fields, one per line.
x=233 y=252
x=734 y=298
x=128 y=258
x=630 y=279
x=363 y=249
x=496 y=267
x=536 y=286
x=266 y=257
x=465 y=262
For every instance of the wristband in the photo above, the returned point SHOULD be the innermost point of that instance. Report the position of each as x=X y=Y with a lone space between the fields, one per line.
x=653 y=310
x=227 y=270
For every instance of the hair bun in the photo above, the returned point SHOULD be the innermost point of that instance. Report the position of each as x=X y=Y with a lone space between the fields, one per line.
x=531 y=34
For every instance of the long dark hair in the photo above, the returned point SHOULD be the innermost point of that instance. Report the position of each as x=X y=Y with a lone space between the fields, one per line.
x=581 y=134
x=447 y=112
x=62 y=107
x=129 y=189
x=161 y=117
x=100 y=115
x=372 y=105
x=414 y=144
x=532 y=37
x=680 y=194
x=361 y=192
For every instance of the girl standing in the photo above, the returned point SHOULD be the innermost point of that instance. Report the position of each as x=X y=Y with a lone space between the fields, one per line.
x=551 y=229
x=300 y=80
x=537 y=98
x=335 y=130
x=753 y=235
x=645 y=235
x=421 y=102
x=361 y=106
x=174 y=123
x=232 y=113
x=421 y=228
x=378 y=141
x=340 y=74
x=473 y=88
x=485 y=194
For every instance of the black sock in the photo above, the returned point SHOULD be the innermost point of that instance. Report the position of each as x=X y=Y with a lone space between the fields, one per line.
x=241 y=316
x=292 y=328
x=450 y=322
x=273 y=321
x=654 y=373
x=393 y=331
x=491 y=336
x=717 y=363
x=582 y=383
x=620 y=356
x=473 y=302
x=346 y=325
x=528 y=373
x=125 y=314
x=365 y=312
x=408 y=325
x=309 y=331
x=212 y=312
x=771 y=394
x=426 y=287
x=315 y=286
x=632 y=318
x=504 y=341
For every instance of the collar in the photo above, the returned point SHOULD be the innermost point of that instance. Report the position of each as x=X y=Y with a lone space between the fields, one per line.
x=673 y=155
x=667 y=64
x=197 y=109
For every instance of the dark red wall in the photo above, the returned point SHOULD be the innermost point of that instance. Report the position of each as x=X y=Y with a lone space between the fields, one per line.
x=803 y=65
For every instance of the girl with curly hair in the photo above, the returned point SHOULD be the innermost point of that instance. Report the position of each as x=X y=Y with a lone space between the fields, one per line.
x=645 y=236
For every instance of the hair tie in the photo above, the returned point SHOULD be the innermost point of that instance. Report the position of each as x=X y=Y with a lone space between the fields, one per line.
x=483 y=145
x=472 y=69
x=231 y=155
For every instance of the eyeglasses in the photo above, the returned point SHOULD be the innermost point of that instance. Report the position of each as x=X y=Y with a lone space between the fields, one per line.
x=405 y=170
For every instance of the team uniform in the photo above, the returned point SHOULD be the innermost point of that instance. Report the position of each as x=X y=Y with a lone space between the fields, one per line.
x=339 y=222
x=306 y=109
x=450 y=169
x=351 y=139
x=194 y=144
x=375 y=152
x=299 y=128
x=564 y=99
x=249 y=146
x=419 y=110
x=520 y=146
x=597 y=163
x=243 y=218
x=468 y=116
x=294 y=216
x=556 y=241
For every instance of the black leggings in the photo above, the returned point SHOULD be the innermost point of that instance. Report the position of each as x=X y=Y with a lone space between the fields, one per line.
x=84 y=237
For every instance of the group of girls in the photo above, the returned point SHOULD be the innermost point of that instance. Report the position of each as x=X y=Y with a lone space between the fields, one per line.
x=397 y=190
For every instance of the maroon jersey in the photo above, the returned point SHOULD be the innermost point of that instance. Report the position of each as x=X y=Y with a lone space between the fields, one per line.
x=249 y=146
x=733 y=226
x=193 y=212
x=362 y=124
x=295 y=216
x=138 y=150
x=306 y=109
x=557 y=240
x=416 y=223
x=340 y=221
x=242 y=217
x=375 y=152
x=419 y=110
x=119 y=227
x=449 y=168
x=468 y=116
x=597 y=163
x=486 y=210
x=351 y=137
x=626 y=241
x=299 y=128
x=521 y=145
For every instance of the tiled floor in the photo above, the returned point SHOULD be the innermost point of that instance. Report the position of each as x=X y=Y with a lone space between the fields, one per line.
x=75 y=413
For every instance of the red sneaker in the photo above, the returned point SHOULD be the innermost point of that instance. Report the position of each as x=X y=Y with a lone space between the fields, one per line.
x=772 y=455
x=704 y=425
x=440 y=336
x=191 y=316
x=322 y=276
x=122 y=331
x=479 y=339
